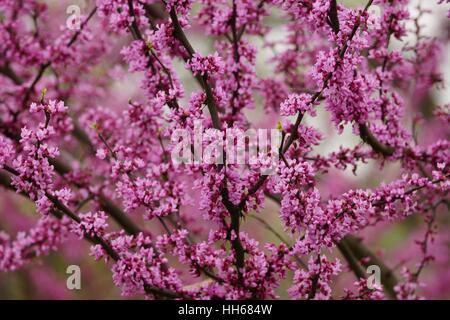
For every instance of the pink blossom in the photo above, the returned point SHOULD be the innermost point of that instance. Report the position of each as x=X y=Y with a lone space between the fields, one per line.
x=297 y=103
x=211 y=64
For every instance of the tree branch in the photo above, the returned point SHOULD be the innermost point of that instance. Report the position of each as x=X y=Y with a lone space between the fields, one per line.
x=10 y=73
x=371 y=140
x=388 y=278
x=353 y=263
x=333 y=16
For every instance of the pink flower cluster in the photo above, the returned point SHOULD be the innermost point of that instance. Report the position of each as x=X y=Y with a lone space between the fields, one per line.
x=210 y=64
x=319 y=274
x=296 y=103
x=46 y=236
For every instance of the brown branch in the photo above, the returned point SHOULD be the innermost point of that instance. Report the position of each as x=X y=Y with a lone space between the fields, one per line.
x=315 y=281
x=333 y=16
x=388 y=278
x=349 y=256
x=236 y=243
x=153 y=11
x=371 y=140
